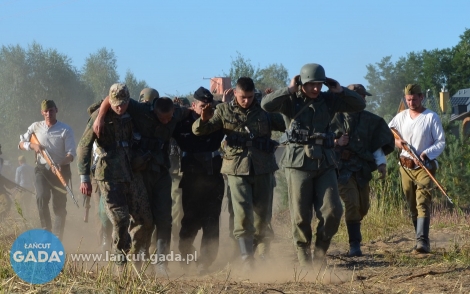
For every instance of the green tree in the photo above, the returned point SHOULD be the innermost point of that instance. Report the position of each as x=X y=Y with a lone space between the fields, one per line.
x=133 y=85
x=241 y=67
x=273 y=76
x=100 y=72
x=461 y=64
x=29 y=76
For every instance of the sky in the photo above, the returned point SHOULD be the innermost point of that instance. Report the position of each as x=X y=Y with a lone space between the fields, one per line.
x=175 y=46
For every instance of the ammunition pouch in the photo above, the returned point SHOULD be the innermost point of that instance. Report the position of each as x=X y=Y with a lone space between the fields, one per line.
x=407 y=162
x=264 y=144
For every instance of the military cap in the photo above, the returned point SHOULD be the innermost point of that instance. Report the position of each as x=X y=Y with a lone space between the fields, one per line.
x=118 y=94
x=204 y=95
x=21 y=158
x=411 y=89
x=360 y=89
x=46 y=104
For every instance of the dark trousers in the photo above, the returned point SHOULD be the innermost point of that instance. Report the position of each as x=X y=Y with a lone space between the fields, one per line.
x=202 y=202
x=47 y=186
x=158 y=185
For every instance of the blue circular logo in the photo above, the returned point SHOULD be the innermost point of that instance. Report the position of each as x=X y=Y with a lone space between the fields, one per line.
x=37 y=256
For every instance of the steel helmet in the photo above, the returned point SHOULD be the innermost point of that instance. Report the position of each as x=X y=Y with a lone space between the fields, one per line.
x=312 y=72
x=148 y=94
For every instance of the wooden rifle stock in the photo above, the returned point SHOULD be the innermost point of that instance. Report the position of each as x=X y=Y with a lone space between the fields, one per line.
x=421 y=164
x=54 y=168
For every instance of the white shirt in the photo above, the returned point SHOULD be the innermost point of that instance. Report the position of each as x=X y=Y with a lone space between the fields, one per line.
x=57 y=139
x=424 y=133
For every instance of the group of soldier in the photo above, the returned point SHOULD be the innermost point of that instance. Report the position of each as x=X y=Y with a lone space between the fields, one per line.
x=331 y=148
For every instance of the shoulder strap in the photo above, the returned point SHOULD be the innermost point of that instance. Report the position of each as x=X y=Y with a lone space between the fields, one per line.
x=300 y=111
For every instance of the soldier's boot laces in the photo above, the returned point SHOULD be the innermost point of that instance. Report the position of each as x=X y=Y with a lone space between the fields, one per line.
x=355 y=238
x=422 y=235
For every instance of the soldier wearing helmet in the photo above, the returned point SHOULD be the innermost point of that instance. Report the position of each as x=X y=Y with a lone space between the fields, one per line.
x=148 y=94
x=309 y=158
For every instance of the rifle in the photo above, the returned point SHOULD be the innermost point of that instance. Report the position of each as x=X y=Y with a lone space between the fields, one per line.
x=54 y=167
x=86 y=204
x=15 y=185
x=408 y=148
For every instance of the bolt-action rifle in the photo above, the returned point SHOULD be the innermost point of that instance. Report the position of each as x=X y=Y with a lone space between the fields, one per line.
x=408 y=148
x=54 y=167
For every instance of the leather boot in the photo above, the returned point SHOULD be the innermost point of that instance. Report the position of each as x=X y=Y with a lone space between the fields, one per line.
x=246 y=251
x=305 y=257
x=162 y=251
x=355 y=238
x=422 y=235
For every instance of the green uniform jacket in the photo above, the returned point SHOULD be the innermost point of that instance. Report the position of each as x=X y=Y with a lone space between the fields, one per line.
x=367 y=133
x=233 y=119
x=148 y=125
x=113 y=164
x=316 y=118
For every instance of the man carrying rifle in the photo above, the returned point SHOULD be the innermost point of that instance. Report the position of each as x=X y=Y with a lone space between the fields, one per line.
x=58 y=140
x=421 y=130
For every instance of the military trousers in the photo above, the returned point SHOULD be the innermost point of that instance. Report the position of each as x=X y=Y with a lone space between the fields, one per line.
x=103 y=225
x=117 y=196
x=202 y=204
x=251 y=201
x=158 y=186
x=318 y=190
x=141 y=218
x=356 y=200
x=48 y=186
x=176 y=205
x=417 y=187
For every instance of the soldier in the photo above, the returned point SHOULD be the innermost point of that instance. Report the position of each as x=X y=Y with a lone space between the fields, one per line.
x=24 y=177
x=58 y=139
x=202 y=184
x=114 y=176
x=148 y=94
x=363 y=141
x=308 y=158
x=248 y=161
x=155 y=122
x=422 y=129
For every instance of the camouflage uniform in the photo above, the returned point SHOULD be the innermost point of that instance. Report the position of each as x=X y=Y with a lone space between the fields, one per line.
x=367 y=134
x=249 y=164
x=309 y=166
x=114 y=177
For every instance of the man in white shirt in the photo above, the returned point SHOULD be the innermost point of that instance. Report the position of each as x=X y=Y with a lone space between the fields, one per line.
x=422 y=129
x=58 y=139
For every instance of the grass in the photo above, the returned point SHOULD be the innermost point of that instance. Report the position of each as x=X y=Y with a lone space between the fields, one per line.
x=387 y=220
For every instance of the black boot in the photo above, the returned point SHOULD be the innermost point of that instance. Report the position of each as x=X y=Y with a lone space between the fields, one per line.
x=355 y=238
x=422 y=235
x=246 y=251
x=162 y=250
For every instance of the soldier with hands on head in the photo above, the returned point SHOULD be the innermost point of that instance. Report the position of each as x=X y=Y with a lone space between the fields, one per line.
x=57 y=138
x=202 y=184
x=248 y=161
x=363 y=140
x=422 y=130
x=308 y=159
